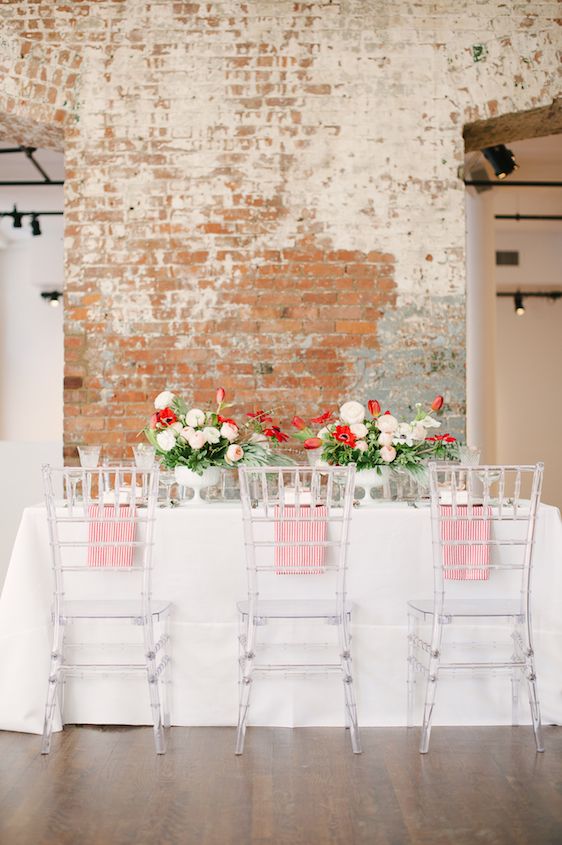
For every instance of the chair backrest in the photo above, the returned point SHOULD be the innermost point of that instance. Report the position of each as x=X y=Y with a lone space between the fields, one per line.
x=104 y=522
x=296 y=522
x=483 y=524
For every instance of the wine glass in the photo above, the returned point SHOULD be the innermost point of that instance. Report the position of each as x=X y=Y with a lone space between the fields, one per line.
x=167 y=481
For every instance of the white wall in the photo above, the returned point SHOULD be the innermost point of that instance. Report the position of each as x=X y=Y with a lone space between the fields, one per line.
x=20 y=486
x=31 y=332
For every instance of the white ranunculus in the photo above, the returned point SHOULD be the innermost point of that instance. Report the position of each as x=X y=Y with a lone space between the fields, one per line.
x=164 y=400
x=234 y=453
x=187 y=432
x=429 y=422
x=229 y=431
x=196 y=439
x=361 y=446
x=352 y=412
x=387 y=423
x=166 y=440
x=212 y=434
x=359 y=430
x=177 y=426
x=195 y=417
x=385 y=439
x=388 y=453
x=418 y=432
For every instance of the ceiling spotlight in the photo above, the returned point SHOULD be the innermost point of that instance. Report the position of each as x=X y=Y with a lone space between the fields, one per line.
x=35 y=227
x=518 y=301
x=17 y=218
x=52 y=297
x=501 y=159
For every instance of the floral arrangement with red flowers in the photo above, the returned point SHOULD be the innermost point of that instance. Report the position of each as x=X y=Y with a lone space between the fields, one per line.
x=198 y=439
x=371 y=439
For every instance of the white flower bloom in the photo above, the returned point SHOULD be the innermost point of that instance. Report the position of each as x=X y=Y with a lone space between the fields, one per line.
x=234 y=453
x=352 y=412
x=359 y=429
x=195 y=417
x=187 y=432
x=229 y=431
x=403 y=434
x=388 y=453
x=429 y=422
x=164 y=400
x=385 y=439
x=257 y=437
x=212 y=434
x=177 y=426
x=361 y=446
x=418 y=432
x=166 y=440
x=387 y=423
x=196 y=439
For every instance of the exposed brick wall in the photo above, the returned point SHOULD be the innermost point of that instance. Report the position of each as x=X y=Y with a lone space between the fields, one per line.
x=264 y=195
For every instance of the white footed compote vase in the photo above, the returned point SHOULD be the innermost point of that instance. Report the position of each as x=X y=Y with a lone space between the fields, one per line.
x=210 y=477
x=372 y=479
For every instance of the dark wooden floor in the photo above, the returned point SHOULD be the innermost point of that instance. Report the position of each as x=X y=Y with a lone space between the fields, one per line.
x=106 y=786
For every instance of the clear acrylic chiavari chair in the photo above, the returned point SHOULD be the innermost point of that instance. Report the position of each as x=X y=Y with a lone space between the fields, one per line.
x=296 y=527
x=483 y=527
x=101 y=534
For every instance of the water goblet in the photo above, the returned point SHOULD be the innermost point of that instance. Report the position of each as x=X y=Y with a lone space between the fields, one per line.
x=89 y=456
x=144 y=455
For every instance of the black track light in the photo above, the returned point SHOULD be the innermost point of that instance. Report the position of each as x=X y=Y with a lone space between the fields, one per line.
x=52 y=297
x=17 y=215
x=501 y=159
x=518 y=302
x=35 y=227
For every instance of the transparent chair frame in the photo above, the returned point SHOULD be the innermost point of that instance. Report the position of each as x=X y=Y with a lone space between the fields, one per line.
x=486 y=511
x=275 y=502
x=109 y=512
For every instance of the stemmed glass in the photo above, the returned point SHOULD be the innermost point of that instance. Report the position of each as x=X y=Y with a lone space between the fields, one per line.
x=167 y=481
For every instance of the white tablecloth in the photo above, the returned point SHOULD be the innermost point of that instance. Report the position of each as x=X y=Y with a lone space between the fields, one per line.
x=199 y=566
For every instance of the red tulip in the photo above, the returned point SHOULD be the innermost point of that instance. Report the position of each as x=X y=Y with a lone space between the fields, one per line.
x=298 y=422
x=374 y=407
x=312 y=443
x=437 y=403
x=221 y=393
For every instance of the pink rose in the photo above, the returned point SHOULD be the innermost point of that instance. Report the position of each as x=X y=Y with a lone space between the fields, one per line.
x=388 y=453
x=234 y=453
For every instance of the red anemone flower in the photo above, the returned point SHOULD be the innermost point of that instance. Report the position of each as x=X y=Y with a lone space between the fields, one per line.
x=222 y=420
x=275 y=431
x=344 y=434
x=323 y=418
x=165 y=417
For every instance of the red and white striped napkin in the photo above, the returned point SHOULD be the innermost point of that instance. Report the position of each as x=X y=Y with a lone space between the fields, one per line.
x=110 y=532
x=471 y=562
x=311 y=528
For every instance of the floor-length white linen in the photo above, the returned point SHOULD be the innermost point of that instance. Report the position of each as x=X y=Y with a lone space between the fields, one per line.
x=199 y=565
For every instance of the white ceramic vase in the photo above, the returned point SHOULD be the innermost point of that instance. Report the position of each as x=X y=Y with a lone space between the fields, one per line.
x=370 y=479
x=210 y=477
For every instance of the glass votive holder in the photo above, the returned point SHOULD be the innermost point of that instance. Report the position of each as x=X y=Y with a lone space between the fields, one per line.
x=89 y=456
x=144 y=455
x=469 y=456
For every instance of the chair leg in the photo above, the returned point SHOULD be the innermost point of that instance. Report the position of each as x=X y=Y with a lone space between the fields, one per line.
x=247 y=644
x=166 y=687
x=431 y=686
x=153 y=687
x=411 y=677
x=53 y=687
x=348 y=686
x=535 y=706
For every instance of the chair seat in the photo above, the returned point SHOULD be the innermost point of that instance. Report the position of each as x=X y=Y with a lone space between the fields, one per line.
x=111 y=609
x=470 y=607
x=298 y=609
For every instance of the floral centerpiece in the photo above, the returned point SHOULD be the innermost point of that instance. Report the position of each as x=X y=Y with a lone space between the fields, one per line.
x=197 y=442
x=373 y=440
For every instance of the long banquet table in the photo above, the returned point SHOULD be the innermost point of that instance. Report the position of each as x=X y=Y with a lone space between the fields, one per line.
x=199 y=565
